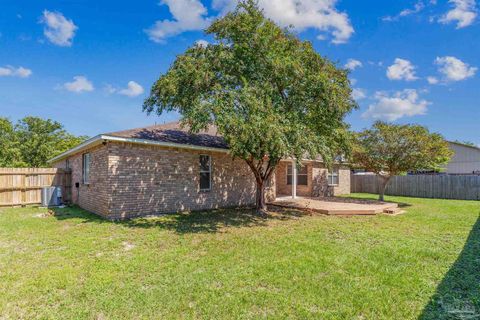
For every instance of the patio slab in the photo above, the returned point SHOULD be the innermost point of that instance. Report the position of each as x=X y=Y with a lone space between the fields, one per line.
x=337 y=206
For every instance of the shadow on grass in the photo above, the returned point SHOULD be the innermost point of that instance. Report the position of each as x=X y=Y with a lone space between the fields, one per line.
x=189 y=222
x=458 y=295
x=75 y=212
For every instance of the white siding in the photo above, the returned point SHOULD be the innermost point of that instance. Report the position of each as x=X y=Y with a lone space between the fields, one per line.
x=465 y=161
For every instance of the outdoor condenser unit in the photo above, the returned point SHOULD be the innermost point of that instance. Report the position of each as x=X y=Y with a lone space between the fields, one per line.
x=51 y=196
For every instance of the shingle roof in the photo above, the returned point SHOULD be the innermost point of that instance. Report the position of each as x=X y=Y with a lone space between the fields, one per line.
x=172 y=132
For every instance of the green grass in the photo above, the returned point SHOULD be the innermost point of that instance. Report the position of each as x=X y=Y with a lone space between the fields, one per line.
x=231 y=264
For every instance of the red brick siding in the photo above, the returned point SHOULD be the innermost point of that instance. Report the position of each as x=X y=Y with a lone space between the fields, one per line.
x=95 y=196
x=151 y=180
x=284 y=189
x=344 y=182
x=128 y=180
x=317 y=181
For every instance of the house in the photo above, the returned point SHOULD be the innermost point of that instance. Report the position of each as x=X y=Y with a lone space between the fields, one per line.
x=164 y=168
x=466 y=159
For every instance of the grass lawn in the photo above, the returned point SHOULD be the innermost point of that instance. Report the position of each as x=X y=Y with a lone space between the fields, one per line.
x=230 y=264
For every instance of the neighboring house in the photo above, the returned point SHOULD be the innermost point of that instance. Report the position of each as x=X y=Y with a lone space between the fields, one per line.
x=466 y=159
x=164 y=168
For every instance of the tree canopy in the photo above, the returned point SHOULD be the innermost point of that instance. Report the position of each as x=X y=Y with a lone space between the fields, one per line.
x=269 y=94
x=389 y=150
x=32 y=141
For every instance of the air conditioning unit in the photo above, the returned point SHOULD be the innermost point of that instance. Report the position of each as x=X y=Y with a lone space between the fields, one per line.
x=51 y=196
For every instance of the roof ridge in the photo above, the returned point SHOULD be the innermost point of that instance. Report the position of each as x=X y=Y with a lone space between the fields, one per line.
x=145 y=127
x=464 y=144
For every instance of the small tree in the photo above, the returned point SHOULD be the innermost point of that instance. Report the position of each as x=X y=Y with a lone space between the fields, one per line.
x=269 y=94
x=389 y=150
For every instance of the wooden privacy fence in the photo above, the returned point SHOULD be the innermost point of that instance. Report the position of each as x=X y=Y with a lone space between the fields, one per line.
x=22 y=186
x=422 y=186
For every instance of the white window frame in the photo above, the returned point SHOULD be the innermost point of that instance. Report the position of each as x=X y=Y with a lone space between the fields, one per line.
x=86 y=157
x=331 y=175
x=290 y=166
x=200 y=171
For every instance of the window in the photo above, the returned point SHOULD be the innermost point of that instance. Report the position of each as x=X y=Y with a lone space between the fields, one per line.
x=333 y=177
x=302 y=175
x=67 y=164
x=205 y=173
x=86 y=168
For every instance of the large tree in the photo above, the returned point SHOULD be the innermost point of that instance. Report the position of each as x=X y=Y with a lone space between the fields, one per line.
x=389 y=150
x=270 y=95
x=41 y=140
x=9 y=146
x=32 y=141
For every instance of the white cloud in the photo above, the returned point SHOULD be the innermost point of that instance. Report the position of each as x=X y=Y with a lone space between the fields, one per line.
x=322 y=15
x=322 y=37
x=9 y=71
x=358 y=94
x=454 y=69
x=419 y=6
x=79 y=84
x=432 y=80
x=393 y=107
x=352 y=64
x=58 y=29
x=401 y=70
x=188 y=15
x=463 y=13
x=201 y=43
x=109 y=89
x=133 y=89
x=316 y=14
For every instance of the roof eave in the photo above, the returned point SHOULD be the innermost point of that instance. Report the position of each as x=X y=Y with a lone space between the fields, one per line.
x=101 y=138
x=82 y=146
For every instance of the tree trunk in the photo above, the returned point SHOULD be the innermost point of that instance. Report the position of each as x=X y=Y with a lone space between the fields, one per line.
x=260 y=198
x=262 y=171
x=383 y=187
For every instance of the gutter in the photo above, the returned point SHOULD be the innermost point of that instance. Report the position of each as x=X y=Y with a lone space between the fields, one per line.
x=97 y=140
x=82 y=146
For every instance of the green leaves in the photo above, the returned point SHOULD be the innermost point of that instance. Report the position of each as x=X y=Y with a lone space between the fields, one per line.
x=9 y=146
x=267 y=92
x=32 y=141
x=396 y=149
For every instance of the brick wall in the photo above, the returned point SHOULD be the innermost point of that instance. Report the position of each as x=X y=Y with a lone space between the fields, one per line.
x=317 y=181
x=281 y=178
x=271 y=189
x=151 y=180
x=344 y=182
x=128 y=180
x=95 y=196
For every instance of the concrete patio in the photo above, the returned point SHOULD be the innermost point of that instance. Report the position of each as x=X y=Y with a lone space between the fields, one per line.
x=337 y=206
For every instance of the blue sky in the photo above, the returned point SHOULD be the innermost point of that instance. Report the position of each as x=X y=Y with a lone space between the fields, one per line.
x=90 y=64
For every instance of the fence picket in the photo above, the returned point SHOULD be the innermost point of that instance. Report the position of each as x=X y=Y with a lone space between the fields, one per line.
x=422 y=186
x=22 y=186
